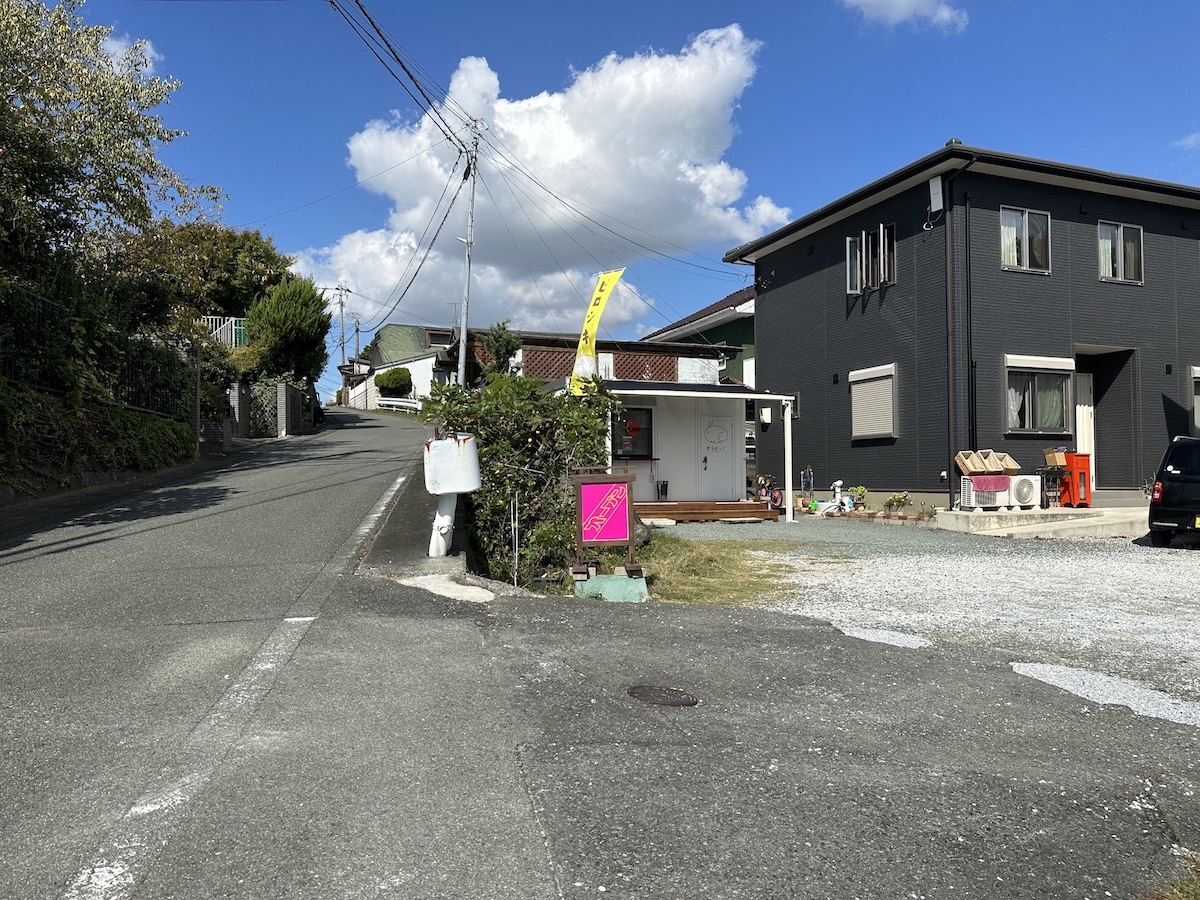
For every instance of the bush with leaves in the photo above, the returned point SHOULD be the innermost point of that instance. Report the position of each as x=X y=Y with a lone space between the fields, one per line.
x=288 y=327
x=530 y=443
x=396 y=382
x=45 y=441
x=500 y=345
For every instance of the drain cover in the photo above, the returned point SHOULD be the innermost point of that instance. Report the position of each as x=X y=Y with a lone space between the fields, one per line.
x=663 y=696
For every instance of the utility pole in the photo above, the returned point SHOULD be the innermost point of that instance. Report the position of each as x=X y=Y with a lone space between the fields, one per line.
x=341 y=292
x=472 y=162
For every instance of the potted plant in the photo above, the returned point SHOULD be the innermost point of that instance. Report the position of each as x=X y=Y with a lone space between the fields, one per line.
x=859 y=493
x=897 y=503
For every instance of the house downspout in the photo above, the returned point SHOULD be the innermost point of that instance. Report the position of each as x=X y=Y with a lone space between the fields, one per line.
x=968 y=329
x=951 y=398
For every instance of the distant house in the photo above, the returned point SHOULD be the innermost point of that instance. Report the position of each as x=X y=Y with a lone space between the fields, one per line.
x=680 y=429
x=413 y=347
x=728 y=321
x=975 y=299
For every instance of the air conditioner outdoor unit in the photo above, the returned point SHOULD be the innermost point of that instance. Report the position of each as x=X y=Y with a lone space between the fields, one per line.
x=969 y=498
x=1025 y=491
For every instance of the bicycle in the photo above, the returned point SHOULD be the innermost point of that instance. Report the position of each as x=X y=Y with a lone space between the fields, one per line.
x=768 y=492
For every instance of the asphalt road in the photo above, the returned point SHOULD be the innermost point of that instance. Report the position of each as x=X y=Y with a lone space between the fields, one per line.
x=248 y=682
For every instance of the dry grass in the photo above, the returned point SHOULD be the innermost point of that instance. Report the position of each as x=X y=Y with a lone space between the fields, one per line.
x=1186 y=889
x=714 y=572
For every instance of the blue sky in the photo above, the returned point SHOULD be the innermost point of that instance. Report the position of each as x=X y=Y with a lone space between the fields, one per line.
x=652 y=135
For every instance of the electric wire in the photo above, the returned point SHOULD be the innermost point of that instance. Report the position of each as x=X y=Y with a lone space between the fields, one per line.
x=517 y=246
x=343 y=190
x=377 y=319
x=445 y=188
x=569 y=203
x=503 y=158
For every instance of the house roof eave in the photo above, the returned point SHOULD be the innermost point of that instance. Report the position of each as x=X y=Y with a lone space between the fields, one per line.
x=982 y=161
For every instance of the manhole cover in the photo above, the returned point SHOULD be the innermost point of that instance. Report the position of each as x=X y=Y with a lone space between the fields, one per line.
x=663 y=696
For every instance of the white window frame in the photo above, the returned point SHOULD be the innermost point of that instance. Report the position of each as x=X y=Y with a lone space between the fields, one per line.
x=854 y=267
x=1058 y=367
x=1195 y=401
x=1122 y=275
x=871 y=259
x=1021 y=258
x=887 y=254
x=873 y=406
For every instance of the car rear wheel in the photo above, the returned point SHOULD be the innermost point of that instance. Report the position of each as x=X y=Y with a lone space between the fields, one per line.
x=1160 y=537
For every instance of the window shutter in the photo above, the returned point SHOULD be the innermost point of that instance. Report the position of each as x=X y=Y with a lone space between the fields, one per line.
x=873 y=402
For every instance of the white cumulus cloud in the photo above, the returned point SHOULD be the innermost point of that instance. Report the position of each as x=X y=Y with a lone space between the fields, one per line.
x=893 y=12
x=629 y=153
x=1188 y=142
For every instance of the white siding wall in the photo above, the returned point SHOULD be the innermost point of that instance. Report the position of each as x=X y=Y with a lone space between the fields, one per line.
x=677 y=446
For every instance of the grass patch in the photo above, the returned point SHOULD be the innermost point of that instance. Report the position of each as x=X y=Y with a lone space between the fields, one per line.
x=1187 y=888
x=715 y=572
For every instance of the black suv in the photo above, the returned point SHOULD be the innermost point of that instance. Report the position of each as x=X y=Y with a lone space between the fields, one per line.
x=1175 y=499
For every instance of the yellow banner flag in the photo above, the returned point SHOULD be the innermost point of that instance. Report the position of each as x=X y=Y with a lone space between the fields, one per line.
x=587 y=365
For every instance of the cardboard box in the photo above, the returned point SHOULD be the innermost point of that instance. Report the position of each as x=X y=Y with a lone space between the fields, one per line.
x=1055 y=457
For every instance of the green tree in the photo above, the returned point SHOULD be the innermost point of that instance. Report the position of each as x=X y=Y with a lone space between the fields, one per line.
x=501 y=345
x=79 y=139
x=207 y=268
x=287 y=328
x=78 y=131
x=394 y=382
x=530 y=442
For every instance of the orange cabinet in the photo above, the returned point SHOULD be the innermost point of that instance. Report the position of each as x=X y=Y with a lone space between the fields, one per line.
x=1075 y=487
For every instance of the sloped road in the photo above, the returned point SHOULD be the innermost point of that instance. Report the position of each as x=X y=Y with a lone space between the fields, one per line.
x=204 y=692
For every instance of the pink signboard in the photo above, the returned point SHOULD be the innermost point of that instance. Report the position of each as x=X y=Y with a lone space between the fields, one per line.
x=604 y=512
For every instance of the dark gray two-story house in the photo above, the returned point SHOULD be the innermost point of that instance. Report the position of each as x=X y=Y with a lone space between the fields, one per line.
x=976 y=299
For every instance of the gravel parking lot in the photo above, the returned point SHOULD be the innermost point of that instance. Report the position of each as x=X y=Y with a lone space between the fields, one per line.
x=1108 y=606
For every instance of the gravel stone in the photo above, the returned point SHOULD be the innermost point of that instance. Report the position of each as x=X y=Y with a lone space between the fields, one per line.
x=1109 y=606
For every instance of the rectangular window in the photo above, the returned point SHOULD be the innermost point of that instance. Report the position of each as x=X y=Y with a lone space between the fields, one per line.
x=887 y=253
x=1195 y=401
x=1120 y=252
x=1024 y=239
x=1038 y=395
x=871 y=259
x=873 y=402
x=633 y=433
x=854 y=277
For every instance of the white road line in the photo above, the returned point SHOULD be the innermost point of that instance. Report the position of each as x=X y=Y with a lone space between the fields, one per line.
x=136 y=839
x=133 y=843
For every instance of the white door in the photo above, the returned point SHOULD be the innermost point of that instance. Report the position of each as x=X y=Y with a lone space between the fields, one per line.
x=716 y=458
x=1085 y=421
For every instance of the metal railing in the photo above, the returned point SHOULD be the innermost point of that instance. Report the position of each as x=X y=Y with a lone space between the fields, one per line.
x=398 y=403
x=228 y=331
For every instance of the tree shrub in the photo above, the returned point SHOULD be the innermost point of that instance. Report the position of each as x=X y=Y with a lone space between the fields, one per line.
x=395 y=382
x=44 y=441
x=530 y=442
x=289 y=325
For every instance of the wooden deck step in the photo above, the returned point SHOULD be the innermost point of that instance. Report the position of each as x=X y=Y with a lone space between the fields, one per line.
x=707 y=511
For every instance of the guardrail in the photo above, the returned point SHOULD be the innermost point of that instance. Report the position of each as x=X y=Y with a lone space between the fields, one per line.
x=398 y=403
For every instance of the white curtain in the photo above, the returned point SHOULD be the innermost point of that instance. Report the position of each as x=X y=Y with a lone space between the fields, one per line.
x=1107 y=260
x=1008 y=242
x=1015 y=403
x=1133 y=254
x=1051 y=403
